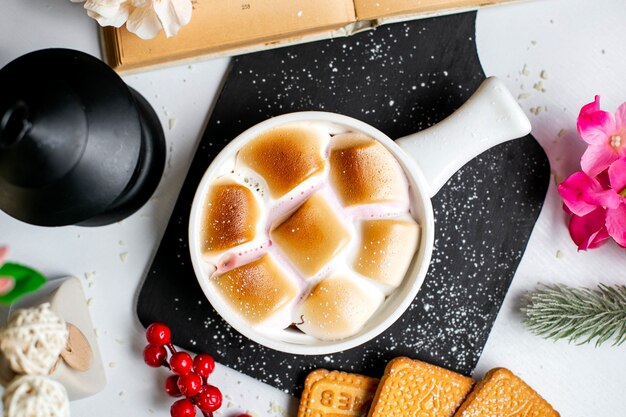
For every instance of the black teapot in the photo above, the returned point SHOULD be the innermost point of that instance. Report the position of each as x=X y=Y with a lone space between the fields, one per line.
x=77 y=145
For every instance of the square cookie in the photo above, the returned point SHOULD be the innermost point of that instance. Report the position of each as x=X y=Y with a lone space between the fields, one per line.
x=414 y=388
x=502 y=394
x=335 y=393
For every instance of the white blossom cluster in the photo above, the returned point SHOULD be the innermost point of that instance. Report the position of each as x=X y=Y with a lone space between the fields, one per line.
x=145 y=18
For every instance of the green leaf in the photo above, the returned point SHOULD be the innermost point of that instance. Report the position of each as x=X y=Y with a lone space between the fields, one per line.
x=27 y=280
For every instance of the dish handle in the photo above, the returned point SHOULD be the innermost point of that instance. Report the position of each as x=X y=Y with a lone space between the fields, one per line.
x=488 y=118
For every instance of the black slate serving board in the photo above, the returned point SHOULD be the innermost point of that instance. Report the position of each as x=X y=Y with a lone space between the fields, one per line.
x=400 y=78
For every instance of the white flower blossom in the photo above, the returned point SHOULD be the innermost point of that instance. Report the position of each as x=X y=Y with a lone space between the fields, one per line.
x=107 y=12
x=145 y=18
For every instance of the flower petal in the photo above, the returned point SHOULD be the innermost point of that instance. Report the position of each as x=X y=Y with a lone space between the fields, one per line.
x=573 y=197
x=108 y=12
x=616 y=224
x=589 y=231
x=595 y=125
x=6 y=285
x=582 y=194
x=173 y=14
x=144 y=23
x=620 y=117
x=117 y=20
x=183 y=9
x=608 y=199
x=589 y=108
x=4 y=250
x=603 y=179
x=597 y=158
x=105 y=8
x=617 y=175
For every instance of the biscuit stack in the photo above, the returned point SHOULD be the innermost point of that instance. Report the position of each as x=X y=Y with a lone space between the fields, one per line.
x=411 y=388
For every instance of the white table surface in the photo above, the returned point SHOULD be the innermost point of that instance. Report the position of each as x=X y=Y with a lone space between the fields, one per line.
x=581 y=47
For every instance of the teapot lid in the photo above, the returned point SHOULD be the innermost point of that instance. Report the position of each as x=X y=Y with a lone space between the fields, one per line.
x=70 y=137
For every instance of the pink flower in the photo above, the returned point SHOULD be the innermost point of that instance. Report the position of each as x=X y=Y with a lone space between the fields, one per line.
x=3 y=254
x=605 y=134
x=6 y=283
x=589 y=231
x=597 y=205
x=616 y=218
x=582 y=194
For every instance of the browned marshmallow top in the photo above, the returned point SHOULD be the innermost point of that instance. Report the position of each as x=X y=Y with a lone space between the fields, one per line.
x=230 y=217
x=311 y=236
x=337 y=306
x=285 y=156
x=362 y=171
x=386 y=249
x=257 y=290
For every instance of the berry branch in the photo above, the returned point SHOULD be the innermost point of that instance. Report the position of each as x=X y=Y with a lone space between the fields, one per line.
x=190 y=377
x=578 y=314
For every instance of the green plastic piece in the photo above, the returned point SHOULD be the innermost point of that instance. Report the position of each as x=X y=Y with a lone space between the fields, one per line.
x=27 y=280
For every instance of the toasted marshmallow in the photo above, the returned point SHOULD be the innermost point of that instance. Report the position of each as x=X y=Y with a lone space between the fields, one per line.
x=362 y=171
x=386 y=250
x=311 y=236
x=307 y=229
x=337 y=307
x=261 y=292
x=231 y=217
x=286 y=156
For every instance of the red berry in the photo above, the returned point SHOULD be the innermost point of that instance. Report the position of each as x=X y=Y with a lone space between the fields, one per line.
x=203 y=365
x=183 y=408
x=244 y=415
x=171 y=386
x=209 y=399
x=158 y=334
x=190 y=384
x=154 y=356
x=181 y=363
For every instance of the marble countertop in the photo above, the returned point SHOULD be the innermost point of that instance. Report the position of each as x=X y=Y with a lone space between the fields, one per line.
x=574 y=49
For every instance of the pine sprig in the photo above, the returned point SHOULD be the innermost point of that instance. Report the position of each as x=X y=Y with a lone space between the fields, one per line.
x=577 y=314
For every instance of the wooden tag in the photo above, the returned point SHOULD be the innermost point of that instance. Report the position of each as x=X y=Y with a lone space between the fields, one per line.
x=77 y=354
